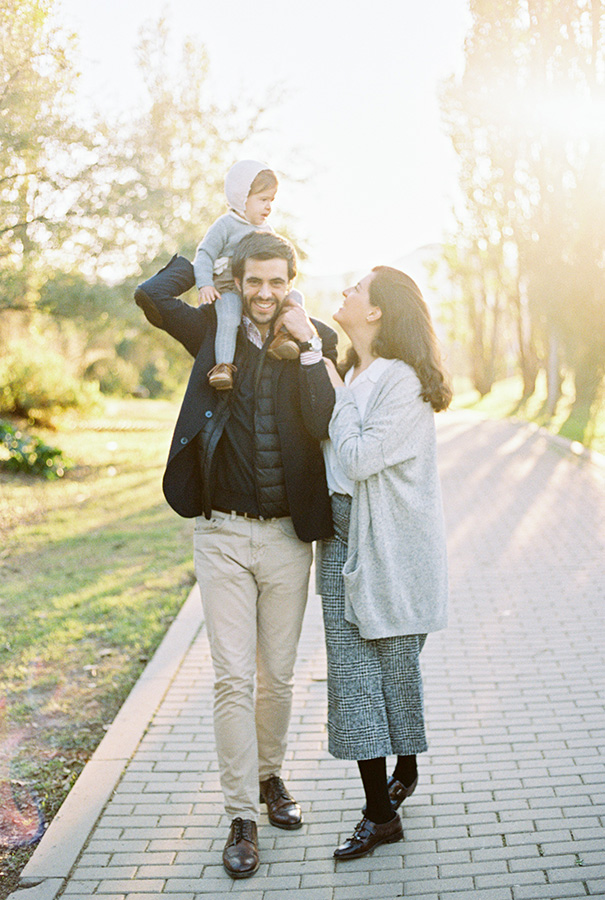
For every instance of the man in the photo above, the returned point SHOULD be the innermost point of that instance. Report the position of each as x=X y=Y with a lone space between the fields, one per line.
x=248 y=465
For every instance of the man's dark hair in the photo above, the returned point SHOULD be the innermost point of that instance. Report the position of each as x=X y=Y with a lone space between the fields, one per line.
x=262 y=245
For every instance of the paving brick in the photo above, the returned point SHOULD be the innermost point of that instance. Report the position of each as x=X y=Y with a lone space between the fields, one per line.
x=103 y=833
x=382 y=874
x=571 y=890
x=565 y=861
x=89 y=873
x=341 y=876
x=587 y=834
x=545 y=837
x=584 y=872
x=133 y=858
x=110 y=846
x=509 y=879
x=94 y=859
x=171 y=870
x=177 y=885
x=486 y=894
x=364 y=892
x=142 y=896
x=470 y=843
x=456 y=870
x=437 y=885
x=436 y=833
x=223 y=894
x=576 y=823
x=142 y=886
x=82 y=888
x=502 y=828
x=521 y=851
x=206 y=857
x=315 y=893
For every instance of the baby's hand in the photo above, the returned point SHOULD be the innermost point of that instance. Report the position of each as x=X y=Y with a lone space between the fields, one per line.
x=208 y=294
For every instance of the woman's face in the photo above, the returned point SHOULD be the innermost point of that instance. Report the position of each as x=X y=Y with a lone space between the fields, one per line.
x=356 y=307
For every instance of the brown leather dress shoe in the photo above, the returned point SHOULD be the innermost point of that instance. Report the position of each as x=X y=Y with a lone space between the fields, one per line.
x=368 y=835
x=282 y=808
x=240 y=856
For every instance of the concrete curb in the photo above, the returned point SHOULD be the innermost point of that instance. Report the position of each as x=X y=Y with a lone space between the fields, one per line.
x=573 y=448
x=44 y=875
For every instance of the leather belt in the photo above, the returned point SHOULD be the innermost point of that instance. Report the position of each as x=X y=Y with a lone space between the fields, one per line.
x=245 y=515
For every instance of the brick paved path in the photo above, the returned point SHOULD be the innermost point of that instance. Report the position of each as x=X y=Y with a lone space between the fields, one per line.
x=511 y=799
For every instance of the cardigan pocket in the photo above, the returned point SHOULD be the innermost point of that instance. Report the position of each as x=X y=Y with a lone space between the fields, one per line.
x=351 y=573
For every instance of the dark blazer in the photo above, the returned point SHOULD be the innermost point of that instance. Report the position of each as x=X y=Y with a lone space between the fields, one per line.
x=304 y=398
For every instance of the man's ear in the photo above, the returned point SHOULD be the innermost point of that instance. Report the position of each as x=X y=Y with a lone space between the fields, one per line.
x=238 y=284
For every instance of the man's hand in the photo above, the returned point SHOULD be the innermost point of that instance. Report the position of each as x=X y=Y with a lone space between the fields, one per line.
x=208 y=294
x=293 y=317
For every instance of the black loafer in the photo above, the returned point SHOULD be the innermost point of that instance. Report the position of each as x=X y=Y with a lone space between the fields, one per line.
x=282 y=808
x=398 y=792
x=368 y=835
x=240 y=856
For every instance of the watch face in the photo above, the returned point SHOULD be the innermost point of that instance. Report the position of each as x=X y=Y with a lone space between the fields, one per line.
x=315 y=343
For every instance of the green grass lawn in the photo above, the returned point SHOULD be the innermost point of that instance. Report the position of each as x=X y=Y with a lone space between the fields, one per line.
x=93 y=568
x=503 y=401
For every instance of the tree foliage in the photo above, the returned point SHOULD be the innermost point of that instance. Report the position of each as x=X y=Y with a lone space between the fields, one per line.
x=87 y=209
x=527 y=120
x=43 y=152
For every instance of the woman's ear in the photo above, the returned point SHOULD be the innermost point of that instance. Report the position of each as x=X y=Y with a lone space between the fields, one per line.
x=374 y=314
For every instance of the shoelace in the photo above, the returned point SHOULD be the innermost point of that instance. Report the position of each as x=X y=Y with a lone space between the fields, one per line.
x=242 y=830
x=276 y=789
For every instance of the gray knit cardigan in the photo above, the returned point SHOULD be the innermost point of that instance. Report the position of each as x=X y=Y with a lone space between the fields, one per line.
x=396 y=571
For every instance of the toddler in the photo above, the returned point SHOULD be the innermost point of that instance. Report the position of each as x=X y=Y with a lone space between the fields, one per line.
x=250 y=188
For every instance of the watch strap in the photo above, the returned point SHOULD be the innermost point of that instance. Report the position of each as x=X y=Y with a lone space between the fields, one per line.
x=305 y=346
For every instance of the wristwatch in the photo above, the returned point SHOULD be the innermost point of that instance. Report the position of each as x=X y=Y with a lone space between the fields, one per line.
x=314 y=343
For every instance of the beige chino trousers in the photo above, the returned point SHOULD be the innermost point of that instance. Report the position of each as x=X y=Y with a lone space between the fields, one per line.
x=254 y=579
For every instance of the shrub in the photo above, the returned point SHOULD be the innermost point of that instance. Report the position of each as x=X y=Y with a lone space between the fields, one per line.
x=36 y=384
x=113 y=375
x=158 y=379
x=27 y=453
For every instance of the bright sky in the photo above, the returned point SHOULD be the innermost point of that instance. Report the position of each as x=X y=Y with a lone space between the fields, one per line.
x=361 y=118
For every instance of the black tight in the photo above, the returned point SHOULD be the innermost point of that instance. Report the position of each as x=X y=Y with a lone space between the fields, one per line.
x=406 y=770
x=374 y=777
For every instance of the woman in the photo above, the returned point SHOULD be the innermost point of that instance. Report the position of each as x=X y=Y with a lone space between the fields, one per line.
x=383 y=576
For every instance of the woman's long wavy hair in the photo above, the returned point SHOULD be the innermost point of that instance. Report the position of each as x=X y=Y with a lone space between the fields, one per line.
x=406 y=332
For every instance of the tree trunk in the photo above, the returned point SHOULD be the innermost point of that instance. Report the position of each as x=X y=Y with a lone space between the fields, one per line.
x=588 y=377
x=553 y=376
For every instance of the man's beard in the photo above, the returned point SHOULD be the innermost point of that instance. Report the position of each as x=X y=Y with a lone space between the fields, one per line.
x=249 y=311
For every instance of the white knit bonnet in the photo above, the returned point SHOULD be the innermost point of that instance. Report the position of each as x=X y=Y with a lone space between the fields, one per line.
x=238 y=182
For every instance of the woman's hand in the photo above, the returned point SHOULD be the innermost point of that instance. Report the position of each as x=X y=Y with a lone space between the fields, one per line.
x=332 y=372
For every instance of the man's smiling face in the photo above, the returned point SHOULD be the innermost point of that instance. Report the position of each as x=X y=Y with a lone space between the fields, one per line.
x=264 y=287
